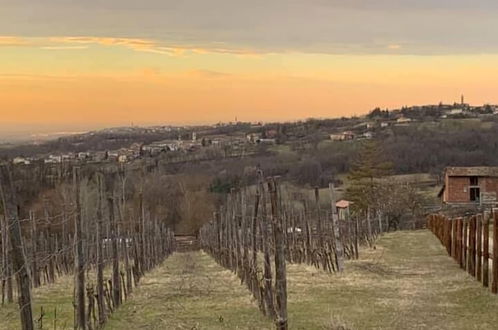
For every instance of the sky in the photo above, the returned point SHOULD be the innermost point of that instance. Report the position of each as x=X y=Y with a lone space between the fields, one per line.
x=74 y=65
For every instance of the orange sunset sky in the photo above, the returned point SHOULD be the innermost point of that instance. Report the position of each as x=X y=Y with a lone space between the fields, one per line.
x=89 y=64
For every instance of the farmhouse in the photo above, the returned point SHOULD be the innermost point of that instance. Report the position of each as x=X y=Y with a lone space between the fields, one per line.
x=470 y=185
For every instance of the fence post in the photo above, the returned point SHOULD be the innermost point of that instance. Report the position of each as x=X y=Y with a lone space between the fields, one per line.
x=464 y=245
x=454 y=239
x=459 y=241
x=494 y=285
x=448 y=235
x=472 y=246
x=485 y=247
x=479 y=247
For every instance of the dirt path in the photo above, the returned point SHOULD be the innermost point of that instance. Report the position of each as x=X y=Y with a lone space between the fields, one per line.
x=189 y=291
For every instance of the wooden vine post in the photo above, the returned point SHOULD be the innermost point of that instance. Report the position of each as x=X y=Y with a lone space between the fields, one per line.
x=116 y=283
x=280 y=267
x=321 y=247
x=20 y=266
x=79 y=258
x=100 y=253
x=267 y=271
x=339 y=249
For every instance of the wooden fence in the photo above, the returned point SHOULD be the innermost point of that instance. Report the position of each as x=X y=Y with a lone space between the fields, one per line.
x=466 y=240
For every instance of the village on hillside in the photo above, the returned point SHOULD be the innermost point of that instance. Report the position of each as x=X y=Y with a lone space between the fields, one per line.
x=237 y=138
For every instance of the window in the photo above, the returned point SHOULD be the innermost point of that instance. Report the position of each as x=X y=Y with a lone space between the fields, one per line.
x=475 y=194
x=474 y=189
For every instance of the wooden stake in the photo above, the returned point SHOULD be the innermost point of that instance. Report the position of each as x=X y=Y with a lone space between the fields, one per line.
x=339 y=249
x=280 y=267
x=485 y=248
x=8 y=196
x=494 y=285
x=479 y=247
x=79 y=258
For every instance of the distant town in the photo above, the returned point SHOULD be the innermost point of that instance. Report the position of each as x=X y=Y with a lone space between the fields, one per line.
x=235 y=138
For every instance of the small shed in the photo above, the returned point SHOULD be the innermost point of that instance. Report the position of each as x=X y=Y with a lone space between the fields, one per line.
x=343 y=209
x=470 y=185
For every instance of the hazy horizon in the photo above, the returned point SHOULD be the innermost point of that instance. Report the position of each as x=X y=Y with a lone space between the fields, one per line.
x=19 y=132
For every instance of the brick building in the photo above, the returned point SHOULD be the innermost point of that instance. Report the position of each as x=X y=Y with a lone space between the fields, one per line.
x=470 y=185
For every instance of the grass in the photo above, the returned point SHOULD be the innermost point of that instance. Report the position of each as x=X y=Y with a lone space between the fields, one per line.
x=283 y=149
x=406 y=282
x=54 y=298
x=190 y=291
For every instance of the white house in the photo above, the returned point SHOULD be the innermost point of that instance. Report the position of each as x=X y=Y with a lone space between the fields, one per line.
x=456 y=111
x=348 y=135
x=122 y=158
x=21 y=160
x=403 y=120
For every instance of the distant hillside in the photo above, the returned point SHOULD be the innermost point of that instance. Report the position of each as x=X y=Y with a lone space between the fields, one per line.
x=305 y=152
x=107 y=139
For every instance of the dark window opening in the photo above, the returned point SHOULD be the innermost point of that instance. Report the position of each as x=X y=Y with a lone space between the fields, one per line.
x=474 y=181
x=475 y=194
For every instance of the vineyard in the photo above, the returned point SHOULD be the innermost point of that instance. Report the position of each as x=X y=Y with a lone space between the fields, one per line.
x=107 y=242
x=285 y=229
x=89 y=248
x=89 y=224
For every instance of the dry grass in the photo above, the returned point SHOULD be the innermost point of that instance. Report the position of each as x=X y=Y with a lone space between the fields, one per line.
x=407 y=282
x=190 y=291
x=54 y=298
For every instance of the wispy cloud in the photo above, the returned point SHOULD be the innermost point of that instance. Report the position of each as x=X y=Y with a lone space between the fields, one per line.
x=63 y=47
x=135 y=44
x=207 y=74
x=12 y=41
